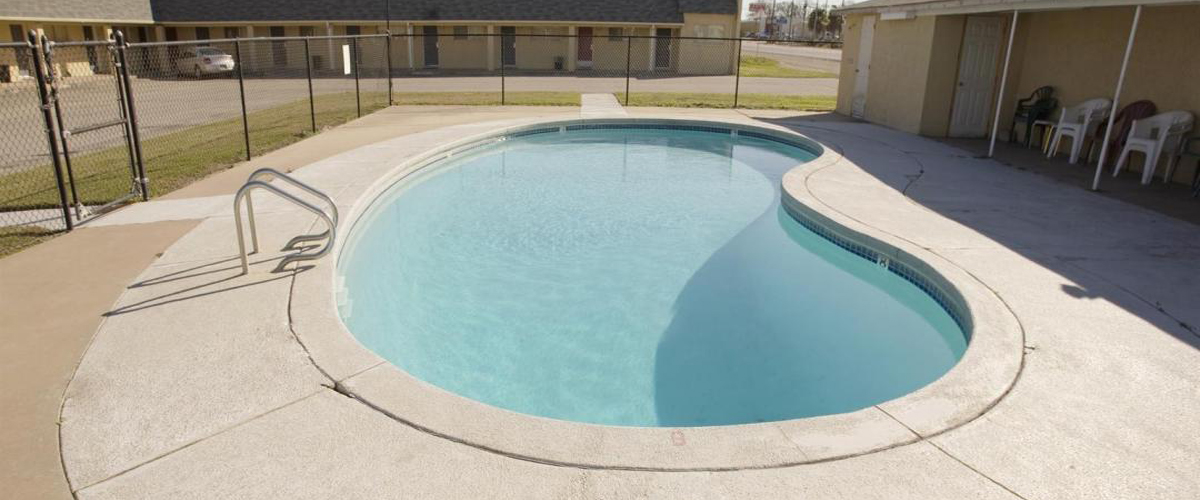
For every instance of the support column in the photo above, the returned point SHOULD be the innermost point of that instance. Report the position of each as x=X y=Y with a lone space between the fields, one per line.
x=653 y=44
x=410 y=44
x=103 y=63
x=1112 y=113
x=331 y=49
x=159 y=60
x=491 y=48
x=1012 y=33
x=572 y=47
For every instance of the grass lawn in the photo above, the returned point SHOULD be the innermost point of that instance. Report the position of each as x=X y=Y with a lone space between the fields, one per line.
x=757 y=66
x=748 y=101
x=14 y=238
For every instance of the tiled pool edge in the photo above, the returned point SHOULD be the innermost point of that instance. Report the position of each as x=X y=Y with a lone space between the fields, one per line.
x=954 y=399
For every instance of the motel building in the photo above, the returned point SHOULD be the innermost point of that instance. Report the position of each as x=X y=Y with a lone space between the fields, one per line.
x=957 y=68
x=569 y=36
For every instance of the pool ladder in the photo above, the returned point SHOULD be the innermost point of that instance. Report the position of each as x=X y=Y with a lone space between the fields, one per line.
x=259 y=180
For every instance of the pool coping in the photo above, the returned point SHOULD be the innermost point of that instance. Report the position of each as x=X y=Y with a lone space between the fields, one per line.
x=981 y=378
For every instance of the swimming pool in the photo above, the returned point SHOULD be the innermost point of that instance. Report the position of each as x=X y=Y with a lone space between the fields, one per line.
x=634 y=276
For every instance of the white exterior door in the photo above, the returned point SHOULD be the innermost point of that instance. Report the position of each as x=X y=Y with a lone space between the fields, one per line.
x=977 y=62
x=858 y=106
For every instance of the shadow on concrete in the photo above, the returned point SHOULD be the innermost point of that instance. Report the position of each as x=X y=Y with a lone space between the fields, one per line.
x=222 y=271
x=1131 y=247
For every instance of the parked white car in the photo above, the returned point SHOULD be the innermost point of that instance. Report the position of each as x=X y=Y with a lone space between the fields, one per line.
x=201 y=61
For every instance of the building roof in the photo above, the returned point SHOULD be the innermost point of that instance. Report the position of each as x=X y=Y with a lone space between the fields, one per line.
x=166 y=11
x=935 y=7
x=92 y=10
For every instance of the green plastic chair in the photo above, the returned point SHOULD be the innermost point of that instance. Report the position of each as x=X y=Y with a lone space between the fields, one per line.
x=1038 y=106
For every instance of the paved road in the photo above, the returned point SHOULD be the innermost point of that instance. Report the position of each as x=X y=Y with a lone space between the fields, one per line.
x=796 y=56
x=165 y=106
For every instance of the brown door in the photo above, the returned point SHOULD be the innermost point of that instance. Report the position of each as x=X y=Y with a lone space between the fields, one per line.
x=584 y=45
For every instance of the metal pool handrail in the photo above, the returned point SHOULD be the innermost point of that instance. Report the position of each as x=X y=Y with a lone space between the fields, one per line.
x=270 y=173
x=255 y=182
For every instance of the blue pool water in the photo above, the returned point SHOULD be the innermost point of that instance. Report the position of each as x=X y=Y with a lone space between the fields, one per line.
x=633 y=277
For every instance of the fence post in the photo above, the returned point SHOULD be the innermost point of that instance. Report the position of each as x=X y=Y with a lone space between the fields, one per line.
x=354 y=60
x=312 y=106
x=628 y=55
x=51 y=140
x=388 y=50
x=133 y=124
x=737 y=80
x=114 y=54
x=64 y=148
x=237 y=55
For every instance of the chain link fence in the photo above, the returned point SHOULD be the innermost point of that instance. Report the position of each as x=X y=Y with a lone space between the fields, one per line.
x=447 y=66
x=90 y=125
x=95 y=142
x=641 y=67
x=30 y=205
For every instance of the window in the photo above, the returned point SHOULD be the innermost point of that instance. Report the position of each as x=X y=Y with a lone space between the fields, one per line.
x=616 y=34
x=460 y=32
x=202 y=33
x=306 y=31
x=231 y=32
x=353 y=30
x=710 y=31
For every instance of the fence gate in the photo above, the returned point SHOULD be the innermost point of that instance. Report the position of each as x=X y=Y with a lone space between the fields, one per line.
x=94 y=122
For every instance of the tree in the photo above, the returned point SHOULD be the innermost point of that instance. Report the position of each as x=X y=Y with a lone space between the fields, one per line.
x=818 y=20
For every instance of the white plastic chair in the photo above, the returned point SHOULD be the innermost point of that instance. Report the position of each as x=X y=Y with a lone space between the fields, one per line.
x=1077 y=122
x=1151 y=137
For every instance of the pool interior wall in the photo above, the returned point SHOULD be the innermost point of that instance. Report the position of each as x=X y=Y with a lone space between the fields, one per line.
x=640 y=276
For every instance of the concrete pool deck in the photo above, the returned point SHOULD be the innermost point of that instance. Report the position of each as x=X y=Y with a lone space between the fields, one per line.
x=1104 y=407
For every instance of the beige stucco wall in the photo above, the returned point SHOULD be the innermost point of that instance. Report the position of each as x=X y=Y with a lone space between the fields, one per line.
x=538 y=53
x=609 y=55
x=469 y=53
x=708 y=57
x=899 y=71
